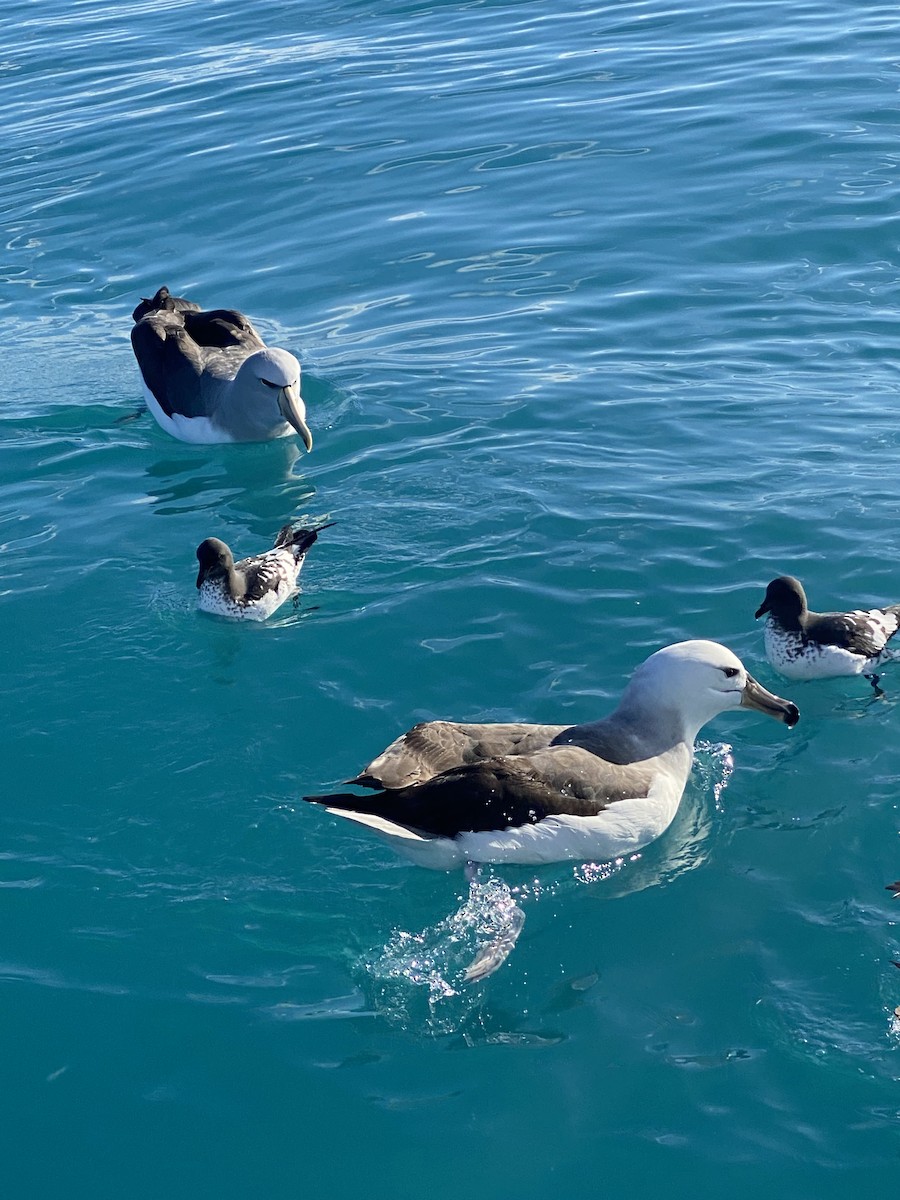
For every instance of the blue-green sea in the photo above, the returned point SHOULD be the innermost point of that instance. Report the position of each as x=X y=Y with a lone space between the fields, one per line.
x=597 y=311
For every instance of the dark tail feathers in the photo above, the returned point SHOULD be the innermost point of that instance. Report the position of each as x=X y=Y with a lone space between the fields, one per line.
x=299 y=540
x=345 y=800
x=365 y=780
x=163 y=301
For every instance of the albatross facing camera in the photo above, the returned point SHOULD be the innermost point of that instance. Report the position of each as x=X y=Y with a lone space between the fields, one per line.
x=209 y=376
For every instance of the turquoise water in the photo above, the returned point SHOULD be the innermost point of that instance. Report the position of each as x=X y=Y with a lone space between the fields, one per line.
x=597 y=315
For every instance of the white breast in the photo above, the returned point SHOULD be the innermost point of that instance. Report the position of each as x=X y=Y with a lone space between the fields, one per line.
x=790 y=657
x=621 y=829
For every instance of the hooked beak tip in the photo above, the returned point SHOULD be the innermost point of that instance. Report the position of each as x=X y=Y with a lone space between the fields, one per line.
x=294 y=412
x=762 y=700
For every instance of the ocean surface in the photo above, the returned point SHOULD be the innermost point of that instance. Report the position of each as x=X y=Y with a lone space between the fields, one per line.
x=596 y=306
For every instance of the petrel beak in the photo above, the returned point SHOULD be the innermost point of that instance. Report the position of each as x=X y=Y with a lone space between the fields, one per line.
x=756 y=696
x=294 y=412
x=763 y=608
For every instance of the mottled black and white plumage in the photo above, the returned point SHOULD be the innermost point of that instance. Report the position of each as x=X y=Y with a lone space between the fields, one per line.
x=209 y=377
x=454 y=793
x=253 y=588
x=801 y=644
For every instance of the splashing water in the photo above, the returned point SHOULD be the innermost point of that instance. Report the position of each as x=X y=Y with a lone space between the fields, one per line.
x=713 y=765
x=420 y=979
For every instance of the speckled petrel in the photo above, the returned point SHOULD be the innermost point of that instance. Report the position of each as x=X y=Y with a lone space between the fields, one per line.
x=209 y=376
x=801 y=644
x=252 y=589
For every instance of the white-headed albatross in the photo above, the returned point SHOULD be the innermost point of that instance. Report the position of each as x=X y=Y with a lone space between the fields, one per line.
x=209 y=377
x=453 y=794
x=809 y=645
x=253 y=588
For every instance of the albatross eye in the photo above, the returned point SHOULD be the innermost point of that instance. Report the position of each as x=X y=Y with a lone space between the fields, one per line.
x=267 y=383
x=729 y=672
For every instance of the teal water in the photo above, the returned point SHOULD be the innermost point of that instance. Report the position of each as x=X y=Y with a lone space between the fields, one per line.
x=597 y=315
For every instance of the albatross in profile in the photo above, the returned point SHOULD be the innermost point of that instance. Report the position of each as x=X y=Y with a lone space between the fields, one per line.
x=209 y=377
x=801 y=644
x=451 y=794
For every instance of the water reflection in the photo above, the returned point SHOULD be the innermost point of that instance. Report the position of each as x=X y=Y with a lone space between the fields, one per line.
x=262 y=485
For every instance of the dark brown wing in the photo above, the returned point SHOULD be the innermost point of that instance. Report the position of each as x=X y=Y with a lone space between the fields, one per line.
x=222 y=327
x=163 y=301
x=435 y=746
x=170 y=362
x=865 y=633
x=175 y=343
x=502 y=793
x=265 y=573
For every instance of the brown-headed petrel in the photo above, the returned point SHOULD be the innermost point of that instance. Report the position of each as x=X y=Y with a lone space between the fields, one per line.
x=808 y=645
x=252 y=589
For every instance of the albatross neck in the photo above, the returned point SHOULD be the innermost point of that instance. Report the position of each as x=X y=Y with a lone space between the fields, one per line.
x=652 y=724
x=634 y=733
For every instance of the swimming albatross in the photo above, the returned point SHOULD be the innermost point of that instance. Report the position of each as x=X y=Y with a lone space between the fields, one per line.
x=253 y=588
x=451 y=794
x=209 y=377
x=801 y=644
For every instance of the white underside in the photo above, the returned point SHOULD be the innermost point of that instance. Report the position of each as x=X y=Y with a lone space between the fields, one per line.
x=198 y=430
x=793 y=660
x=212 y=597
x=623 y=828
x=216 y=602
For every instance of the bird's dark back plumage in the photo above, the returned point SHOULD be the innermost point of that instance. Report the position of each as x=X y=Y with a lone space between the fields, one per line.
x=502 y=793
x=163 y=301
x=299 y=540
x=173 y=339
x=474 y=798
x=221 y=327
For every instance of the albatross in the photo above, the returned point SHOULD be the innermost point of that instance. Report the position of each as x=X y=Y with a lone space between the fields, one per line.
x=452 y=794
x=209 y=376
x=253 y=588
x=801 y=644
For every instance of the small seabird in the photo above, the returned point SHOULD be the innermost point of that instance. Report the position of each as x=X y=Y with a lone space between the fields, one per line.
x=808 y=645
x=253 y=588
x=453 y=793
x=209 y=377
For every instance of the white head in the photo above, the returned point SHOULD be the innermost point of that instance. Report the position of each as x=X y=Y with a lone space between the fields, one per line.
x=269 y=387
x=695 y=681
